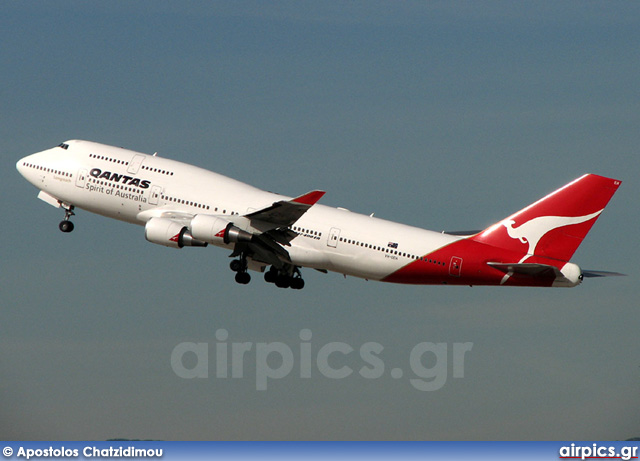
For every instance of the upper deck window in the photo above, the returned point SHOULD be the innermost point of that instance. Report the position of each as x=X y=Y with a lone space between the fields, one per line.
x=64 y=146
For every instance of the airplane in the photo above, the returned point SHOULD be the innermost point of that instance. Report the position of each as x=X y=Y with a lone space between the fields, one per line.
x=181 y=205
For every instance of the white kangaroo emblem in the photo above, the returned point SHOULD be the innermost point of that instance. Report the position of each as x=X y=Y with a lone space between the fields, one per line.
x=532 y=231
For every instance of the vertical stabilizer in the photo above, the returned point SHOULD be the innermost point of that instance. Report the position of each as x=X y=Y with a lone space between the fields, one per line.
x=555 y=225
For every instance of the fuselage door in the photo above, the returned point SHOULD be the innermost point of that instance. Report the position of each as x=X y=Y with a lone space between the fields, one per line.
x=155 y=195
x=334 y=236
x=134 y=164
x=455 y=266
x=81 y=179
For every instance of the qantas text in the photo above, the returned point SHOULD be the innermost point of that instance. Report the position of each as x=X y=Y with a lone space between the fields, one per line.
x=115 y=177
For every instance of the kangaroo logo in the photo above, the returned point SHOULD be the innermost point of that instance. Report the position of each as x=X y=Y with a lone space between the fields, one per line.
x=532 y=231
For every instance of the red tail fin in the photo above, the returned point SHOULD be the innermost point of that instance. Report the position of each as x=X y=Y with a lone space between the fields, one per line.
x=555 y=225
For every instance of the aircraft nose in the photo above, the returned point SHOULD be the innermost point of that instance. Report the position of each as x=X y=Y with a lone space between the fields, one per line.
x=20 y=166
x=25 y=166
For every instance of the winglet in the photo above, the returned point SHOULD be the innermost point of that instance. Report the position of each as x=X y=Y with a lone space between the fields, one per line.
x=285 y=212
x=310 y=198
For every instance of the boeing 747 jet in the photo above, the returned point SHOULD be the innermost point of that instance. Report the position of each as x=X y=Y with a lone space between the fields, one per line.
x=181 y=205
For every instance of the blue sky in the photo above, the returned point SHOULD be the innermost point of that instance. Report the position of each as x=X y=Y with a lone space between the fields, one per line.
x=443 y=115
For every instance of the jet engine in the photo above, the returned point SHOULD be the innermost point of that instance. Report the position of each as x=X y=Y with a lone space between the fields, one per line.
x=169 y=233
x=217 y=230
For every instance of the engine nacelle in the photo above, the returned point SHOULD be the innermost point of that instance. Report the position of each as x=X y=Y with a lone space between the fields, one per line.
x=217 y=230
x=164 y=231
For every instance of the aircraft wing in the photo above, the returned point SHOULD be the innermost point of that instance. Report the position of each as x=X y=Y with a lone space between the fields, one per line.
x=285 y=212
x=273 y=222
x=178 y=216
x=269 y=228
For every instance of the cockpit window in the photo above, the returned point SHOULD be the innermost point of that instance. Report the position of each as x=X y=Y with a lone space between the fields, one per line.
x=64 y=146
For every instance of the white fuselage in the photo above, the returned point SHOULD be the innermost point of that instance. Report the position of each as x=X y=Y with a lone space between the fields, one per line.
x=134 y=187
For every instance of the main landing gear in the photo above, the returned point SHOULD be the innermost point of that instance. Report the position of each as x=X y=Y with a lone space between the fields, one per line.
x=239 y=266
x=66 y=225
x=288 y=277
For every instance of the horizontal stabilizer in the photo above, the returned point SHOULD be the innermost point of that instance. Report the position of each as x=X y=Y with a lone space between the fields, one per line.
x=530 y=269
x=602 y=274
x=463 y=233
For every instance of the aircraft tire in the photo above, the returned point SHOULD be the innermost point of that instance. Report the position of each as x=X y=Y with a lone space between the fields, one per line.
x=243 y=278
x=283 y=281
x=270 y=276
x=65 y=226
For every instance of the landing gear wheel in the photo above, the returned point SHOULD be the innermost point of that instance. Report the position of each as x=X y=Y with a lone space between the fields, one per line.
x=283 y=281
x=66 y=226
x=287 y=277
x=235 y=265
x=297 y=283
x=271 y=276
x=243 y=278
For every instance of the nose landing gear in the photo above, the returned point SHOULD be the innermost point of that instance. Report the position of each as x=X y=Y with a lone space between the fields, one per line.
x=65 y=225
